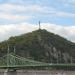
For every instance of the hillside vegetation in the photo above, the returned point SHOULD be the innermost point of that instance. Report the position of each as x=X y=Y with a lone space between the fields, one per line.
x=41 y=45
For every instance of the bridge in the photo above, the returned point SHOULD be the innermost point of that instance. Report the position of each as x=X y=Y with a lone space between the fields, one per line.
x=13 y=61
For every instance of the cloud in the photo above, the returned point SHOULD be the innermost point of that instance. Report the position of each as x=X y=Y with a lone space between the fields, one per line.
x=68 y=2
x=16 y=29
x=21 y=8
x=65 y=14
x=16 y=1
x=13 y=17
x=35 y=9
x=64 y=31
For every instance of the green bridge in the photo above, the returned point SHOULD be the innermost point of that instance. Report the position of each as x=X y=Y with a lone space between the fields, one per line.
x=13 y=61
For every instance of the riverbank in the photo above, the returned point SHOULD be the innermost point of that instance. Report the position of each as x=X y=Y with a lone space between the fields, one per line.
x=36 y=72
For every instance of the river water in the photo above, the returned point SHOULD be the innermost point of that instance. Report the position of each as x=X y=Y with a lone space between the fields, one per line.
x=36 y=72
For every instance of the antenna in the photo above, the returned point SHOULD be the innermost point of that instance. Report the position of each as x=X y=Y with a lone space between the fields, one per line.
x=39 y=25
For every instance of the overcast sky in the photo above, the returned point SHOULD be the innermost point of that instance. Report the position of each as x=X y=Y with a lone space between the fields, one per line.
x=22 y=16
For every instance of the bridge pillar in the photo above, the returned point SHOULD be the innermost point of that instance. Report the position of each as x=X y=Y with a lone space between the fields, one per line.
x=10 y=72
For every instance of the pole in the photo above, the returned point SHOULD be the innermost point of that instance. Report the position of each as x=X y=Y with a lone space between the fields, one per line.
x=14 y=50
x=8 y=57
x=14 y=54
x=57 y=58
x=39 y=25
x=71 y=59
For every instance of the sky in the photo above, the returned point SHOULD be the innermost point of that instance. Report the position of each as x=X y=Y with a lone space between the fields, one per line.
x=22 y=16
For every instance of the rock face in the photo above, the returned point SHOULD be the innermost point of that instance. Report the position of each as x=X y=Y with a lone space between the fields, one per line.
x=41 y=45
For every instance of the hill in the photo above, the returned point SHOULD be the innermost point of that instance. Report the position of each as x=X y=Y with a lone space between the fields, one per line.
x=41 y=45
